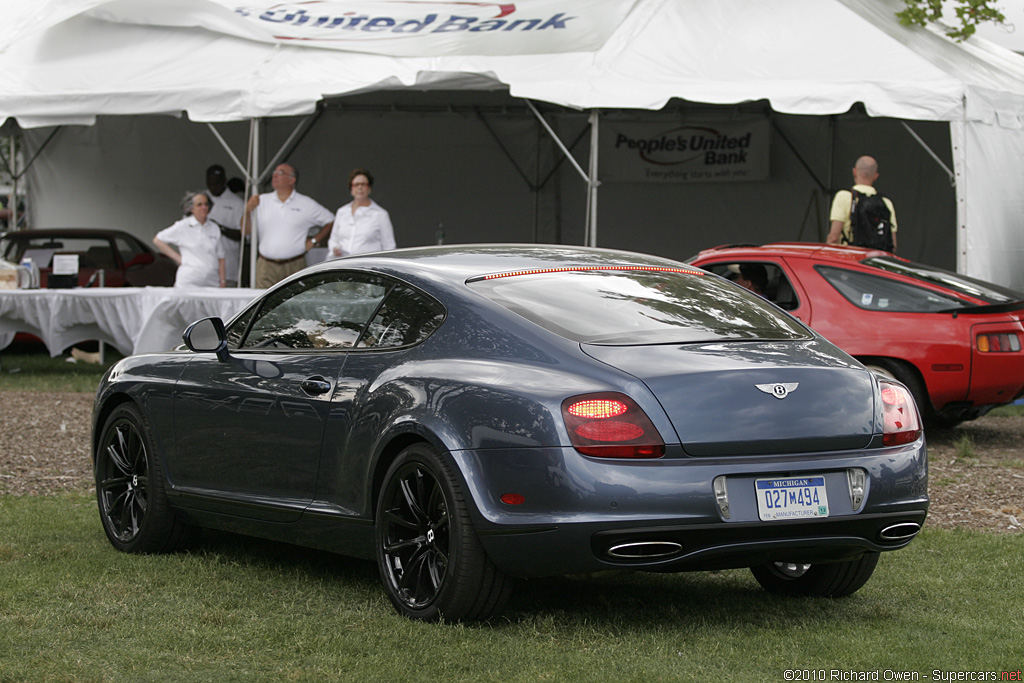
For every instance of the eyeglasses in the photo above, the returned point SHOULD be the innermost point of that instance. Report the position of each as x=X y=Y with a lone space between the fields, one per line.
x=283 y=173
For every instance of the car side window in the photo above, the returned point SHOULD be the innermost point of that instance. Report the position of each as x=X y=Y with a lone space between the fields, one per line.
x=776 y=287
x=128 y=249
x=321 y=311
x=874 y=293
x=406 y=317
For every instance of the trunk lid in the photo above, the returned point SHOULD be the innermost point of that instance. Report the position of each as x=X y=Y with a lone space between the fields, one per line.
x=711 y=393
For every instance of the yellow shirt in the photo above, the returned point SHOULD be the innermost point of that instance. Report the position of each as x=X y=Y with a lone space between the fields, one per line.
x=841 y=209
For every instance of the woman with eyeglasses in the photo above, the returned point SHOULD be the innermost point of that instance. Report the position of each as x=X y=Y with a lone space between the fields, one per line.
x=200 y=247
x=362 y=225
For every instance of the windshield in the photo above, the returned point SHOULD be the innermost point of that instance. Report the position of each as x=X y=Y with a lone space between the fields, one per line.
x=986 y=291
x=624 y=307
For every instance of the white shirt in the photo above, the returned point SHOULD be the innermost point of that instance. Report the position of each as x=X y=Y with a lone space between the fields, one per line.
x=369 y=229
x=282 y=227
x=227 y=210
x=201 y=250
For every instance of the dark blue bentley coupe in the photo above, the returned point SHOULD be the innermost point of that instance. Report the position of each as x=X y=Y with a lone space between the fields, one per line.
x=468 y=415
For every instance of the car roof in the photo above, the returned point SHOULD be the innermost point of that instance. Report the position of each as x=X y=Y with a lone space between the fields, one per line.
x=72 y=232
x=817 y=251
x=457 y=263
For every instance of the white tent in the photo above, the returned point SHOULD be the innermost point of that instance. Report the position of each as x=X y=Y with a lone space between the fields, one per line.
x=69 y=62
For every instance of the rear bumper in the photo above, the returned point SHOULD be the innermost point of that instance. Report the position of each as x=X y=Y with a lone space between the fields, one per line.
x=582 y=548
x=583 y=514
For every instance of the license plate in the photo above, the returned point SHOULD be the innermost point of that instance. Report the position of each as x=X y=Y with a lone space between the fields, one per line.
x=791 y=498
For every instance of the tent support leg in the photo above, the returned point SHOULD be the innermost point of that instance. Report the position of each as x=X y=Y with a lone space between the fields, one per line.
x=952 y=176
x=303 y=127
x=561 y=145
x=253 y=162
x=590 y=227
x=593 y=182
x=508 y=154
x=227 y=148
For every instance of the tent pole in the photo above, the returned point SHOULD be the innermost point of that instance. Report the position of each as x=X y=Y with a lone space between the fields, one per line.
x=12 y=201
x=558 y=142
x=254 y=163
x=289 y=145
x=593 y=183
x=227 y=148
x=924 y=145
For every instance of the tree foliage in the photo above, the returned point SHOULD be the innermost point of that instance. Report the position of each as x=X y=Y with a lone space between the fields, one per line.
x=968 y=14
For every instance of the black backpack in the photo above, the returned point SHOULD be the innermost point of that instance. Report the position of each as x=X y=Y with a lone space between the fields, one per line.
x=870 y=221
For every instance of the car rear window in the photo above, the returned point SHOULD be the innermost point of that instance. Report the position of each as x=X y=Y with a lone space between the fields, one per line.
x=878 y=293
x=986 y=291
x=638 y=306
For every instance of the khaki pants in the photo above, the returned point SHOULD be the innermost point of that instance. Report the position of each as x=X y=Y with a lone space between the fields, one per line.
x=269 y=273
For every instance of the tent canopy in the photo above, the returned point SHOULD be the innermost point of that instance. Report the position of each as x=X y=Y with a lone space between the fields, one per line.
x=65 y=61
x=70 y=61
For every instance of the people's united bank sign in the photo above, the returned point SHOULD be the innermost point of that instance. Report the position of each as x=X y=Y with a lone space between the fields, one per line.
x=401 y=28
x=729 y=151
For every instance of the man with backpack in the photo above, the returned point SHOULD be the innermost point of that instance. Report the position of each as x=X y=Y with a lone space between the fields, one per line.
x=862 y=216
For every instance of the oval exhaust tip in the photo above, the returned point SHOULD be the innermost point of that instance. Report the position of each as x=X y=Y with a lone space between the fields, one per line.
x=899 y=532
x=646 y=550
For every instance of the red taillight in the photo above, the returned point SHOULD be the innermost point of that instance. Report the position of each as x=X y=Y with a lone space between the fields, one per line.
x=902 y=422
x=998 y=343
x=598 y=408
x=611 y=426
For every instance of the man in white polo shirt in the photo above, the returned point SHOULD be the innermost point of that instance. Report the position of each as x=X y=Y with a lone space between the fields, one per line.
x=284 y=218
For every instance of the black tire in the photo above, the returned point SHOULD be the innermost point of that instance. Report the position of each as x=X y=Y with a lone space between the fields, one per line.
x=431 y=562
x=832 y=580
x=130 y=488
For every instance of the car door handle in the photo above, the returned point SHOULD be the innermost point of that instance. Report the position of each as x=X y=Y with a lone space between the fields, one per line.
x=316 y=386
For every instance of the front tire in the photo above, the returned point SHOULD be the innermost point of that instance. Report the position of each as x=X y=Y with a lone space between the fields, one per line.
x=832 y=580
x=136 y=515
x=430 y=559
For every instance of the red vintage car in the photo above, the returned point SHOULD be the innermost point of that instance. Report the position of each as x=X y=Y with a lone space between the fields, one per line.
x=953 y=340
x=124 y=259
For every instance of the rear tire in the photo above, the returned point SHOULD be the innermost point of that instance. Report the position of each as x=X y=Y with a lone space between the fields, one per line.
x=130 y=492
x=430 y=559
x=832 y=580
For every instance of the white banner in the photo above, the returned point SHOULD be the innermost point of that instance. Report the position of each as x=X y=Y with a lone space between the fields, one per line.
x=400 y=28
x=714 y=151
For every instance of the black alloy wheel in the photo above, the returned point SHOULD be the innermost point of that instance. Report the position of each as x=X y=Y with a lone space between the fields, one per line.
x=129 y=488
x=830 y=580
x=431 y=562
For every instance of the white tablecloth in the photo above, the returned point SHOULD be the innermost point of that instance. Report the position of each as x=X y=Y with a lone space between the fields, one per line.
x=131 y=319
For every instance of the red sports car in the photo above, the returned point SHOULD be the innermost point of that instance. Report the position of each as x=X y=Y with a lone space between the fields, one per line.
x=953 y=340
x=124 y=258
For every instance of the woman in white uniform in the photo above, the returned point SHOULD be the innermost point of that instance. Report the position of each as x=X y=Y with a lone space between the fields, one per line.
x=199 y=249
x=362 y=225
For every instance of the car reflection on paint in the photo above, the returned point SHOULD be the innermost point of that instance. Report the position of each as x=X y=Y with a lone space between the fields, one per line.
x=954 y=341
x=468 y=415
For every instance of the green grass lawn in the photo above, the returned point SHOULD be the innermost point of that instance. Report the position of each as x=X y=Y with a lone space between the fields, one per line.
x=28 y=368
x=74 y=609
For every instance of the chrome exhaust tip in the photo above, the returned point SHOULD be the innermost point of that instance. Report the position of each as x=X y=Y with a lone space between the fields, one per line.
x=904 y=531
x=646 y=550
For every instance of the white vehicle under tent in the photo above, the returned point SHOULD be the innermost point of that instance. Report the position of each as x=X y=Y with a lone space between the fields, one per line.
x=663 y=126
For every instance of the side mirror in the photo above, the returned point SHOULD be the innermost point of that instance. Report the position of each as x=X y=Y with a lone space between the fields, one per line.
x=207 y=336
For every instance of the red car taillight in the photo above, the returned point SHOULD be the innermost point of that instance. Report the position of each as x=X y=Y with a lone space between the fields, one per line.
x=902 y=422
x=611 y=425
x=998 y=343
